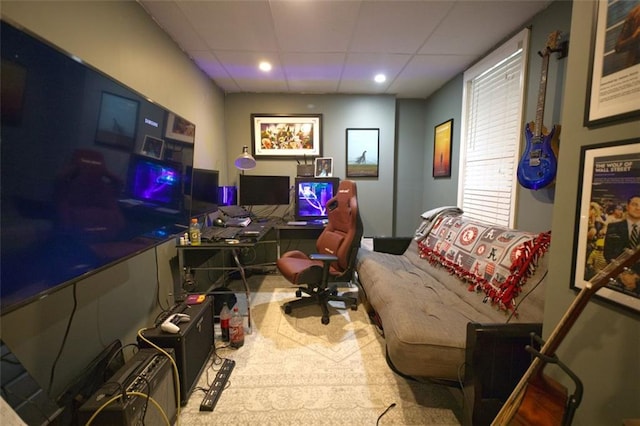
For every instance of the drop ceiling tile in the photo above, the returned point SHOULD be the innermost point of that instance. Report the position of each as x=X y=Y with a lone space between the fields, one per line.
x=243 y=67
x=305 y=26
x=399 y=26
x=318 y=73
x=232 y=25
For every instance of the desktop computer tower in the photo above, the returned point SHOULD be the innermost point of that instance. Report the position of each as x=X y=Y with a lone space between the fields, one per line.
x=193 y=344
x=148 y=372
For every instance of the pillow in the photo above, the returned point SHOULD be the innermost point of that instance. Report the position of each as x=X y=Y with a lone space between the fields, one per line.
x=490 y=258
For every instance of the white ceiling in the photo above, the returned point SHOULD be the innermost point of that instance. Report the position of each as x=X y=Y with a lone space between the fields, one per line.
x=324 y=46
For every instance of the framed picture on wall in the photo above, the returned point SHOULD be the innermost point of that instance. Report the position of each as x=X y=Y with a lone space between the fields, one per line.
x=117 y=121
x=180 y=129
x=286 y=135
x=615 y=63
x=442 y=139
x=362 y=152
x=608 y=207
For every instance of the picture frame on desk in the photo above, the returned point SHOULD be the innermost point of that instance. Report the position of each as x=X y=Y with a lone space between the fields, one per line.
x=152 y=147
x=609 y=181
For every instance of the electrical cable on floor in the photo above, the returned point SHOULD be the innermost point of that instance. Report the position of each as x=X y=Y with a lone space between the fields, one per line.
x=385 y=412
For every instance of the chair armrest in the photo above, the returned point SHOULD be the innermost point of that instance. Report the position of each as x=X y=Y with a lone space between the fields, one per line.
x=495 y=361
x=391 y=245
x=323 y=257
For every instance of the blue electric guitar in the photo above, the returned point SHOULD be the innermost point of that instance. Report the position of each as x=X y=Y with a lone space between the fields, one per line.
x=538 y=165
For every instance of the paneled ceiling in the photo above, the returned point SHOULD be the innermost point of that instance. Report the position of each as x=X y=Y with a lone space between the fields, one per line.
x=337 y=47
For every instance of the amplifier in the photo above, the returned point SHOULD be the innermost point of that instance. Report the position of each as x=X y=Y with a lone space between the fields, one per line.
x=193 y=344
x=148 y=372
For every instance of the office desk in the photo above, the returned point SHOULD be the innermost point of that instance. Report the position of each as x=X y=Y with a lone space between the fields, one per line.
x=296 y=232
x=211 y=248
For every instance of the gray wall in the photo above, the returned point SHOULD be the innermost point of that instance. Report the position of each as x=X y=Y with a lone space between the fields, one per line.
x=603 y=347
x=121 y=40
x=375 y=195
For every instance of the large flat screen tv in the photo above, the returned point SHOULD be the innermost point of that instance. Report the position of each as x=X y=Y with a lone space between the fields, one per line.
x=312 y=195
x=76 y=189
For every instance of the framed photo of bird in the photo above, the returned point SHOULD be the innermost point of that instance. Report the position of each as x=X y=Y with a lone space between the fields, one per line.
x=362 y=152
x=117 y=121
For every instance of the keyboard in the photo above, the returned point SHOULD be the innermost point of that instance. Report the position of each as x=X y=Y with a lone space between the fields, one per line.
x=234 y=211
x=214 y=233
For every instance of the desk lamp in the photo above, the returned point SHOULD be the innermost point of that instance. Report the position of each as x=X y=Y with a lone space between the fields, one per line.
x=245 y=161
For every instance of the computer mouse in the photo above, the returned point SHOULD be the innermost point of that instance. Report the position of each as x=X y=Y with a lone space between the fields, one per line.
x=218 y=221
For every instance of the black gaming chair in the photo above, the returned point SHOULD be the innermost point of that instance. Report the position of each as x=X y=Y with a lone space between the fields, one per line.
x=317 y=274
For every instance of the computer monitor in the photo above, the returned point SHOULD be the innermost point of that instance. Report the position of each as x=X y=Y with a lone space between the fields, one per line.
x=312 y=195
x=258 y=190
x=202 y=184
x=157 y=182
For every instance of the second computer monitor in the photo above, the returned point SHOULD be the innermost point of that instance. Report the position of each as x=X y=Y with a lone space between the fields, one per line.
x=312 y=195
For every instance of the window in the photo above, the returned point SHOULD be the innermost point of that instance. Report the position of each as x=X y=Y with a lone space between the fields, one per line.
x=491 y=129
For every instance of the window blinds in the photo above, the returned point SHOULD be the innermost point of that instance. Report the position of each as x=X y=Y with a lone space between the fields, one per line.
x=491 y=136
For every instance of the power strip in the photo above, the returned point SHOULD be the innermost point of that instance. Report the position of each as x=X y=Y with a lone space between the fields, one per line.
x=222 y=377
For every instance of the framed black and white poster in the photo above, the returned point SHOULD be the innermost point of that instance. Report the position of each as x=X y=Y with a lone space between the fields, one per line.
x=608 y=209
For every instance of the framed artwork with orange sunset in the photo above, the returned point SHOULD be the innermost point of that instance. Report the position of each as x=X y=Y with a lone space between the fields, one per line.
x=442 y=138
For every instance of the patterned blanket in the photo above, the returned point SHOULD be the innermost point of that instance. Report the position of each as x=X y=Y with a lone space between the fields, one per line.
x=491 y=259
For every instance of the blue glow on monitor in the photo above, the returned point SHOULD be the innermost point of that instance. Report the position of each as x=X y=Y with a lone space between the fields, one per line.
x=154 y=181
x=312 y=195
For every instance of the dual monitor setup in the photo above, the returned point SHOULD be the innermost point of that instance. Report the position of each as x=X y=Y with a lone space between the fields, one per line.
x=310 y=194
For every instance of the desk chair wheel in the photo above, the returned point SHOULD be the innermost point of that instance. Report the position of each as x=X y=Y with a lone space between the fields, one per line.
x=287 y=309
x=298 y=293
x=325 y=320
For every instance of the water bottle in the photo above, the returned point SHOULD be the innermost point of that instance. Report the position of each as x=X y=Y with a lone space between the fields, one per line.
x=236 y=330
x=194 y=232
x=225 y=318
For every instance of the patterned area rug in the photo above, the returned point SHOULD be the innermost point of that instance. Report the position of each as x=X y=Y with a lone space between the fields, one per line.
x=293 y=370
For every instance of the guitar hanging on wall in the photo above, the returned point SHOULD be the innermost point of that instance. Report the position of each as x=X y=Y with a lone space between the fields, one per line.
x=538 y=165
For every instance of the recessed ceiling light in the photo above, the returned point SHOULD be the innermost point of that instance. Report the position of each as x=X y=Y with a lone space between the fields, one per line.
x=380 y=78
x=265 y=66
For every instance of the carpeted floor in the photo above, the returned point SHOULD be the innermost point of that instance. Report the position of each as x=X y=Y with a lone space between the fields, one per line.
x=293 y=370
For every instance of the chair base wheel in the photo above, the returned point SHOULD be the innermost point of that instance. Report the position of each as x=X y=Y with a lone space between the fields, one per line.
x=325 y=320
x=298 y=293
x=287 y=309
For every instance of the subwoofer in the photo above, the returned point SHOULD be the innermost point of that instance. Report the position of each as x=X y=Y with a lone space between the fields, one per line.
x=192 y=344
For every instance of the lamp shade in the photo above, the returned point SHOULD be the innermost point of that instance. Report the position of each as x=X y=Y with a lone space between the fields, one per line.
x=245 y=161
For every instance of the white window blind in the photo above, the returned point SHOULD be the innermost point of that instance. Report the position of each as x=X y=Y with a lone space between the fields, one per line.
x=491 y=133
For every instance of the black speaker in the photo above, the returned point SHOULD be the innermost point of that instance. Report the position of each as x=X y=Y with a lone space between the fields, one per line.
x=148 y=372
x=193 y=344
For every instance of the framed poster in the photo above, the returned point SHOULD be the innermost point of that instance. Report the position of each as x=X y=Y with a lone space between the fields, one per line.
x=180 y=129
x=442 y=139
x=286 y=135
x=152 y=147
x=608 y=206
x=323 y=167
x=614 y=93
x=362 y=152
x=117 y=121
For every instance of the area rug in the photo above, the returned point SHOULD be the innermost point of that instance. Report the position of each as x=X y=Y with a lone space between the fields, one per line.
x=293 y=370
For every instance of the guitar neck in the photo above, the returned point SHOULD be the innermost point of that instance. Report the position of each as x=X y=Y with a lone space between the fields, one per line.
x=542 y=92
x=561 y=330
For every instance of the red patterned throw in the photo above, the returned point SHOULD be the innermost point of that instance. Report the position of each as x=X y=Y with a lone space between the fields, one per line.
x=492 y=259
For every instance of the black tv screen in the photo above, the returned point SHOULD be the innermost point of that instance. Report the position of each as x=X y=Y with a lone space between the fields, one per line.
x=312 y=195
x=201 y=188
x=258 y=190
x=74 y=196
